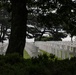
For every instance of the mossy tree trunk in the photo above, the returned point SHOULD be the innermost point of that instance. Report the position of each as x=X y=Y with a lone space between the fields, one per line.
x=18 y=27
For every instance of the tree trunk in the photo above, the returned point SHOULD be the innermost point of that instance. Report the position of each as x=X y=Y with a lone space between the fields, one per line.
x=18 y=27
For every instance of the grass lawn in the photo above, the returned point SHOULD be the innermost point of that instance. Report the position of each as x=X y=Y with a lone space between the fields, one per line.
x=26 y=55
x=44 y=52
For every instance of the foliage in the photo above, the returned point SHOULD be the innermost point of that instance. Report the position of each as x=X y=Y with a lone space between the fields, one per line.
x=44 y=15
x=44 y=38
x=53 y=15
x=4 y=19
x=13 y=64
x=67 y=13
x=54 y=37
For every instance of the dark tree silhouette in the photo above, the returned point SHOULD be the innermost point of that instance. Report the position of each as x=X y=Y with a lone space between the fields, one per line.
x=18 y=27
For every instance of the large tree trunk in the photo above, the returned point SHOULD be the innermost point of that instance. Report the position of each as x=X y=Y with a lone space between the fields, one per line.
x=18 y=27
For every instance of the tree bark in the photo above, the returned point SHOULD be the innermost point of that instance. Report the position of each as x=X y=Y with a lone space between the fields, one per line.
x=18 y=27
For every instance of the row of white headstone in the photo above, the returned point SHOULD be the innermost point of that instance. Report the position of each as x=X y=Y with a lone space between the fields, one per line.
x=61 y=49
x=3 y=48
x=31 y=49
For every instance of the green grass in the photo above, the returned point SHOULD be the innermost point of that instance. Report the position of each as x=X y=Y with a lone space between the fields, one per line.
x=48 y=54
x=44 y=52
x=26 y=55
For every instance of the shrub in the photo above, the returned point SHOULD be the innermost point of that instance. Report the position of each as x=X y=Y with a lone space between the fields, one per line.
x=13 y=64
